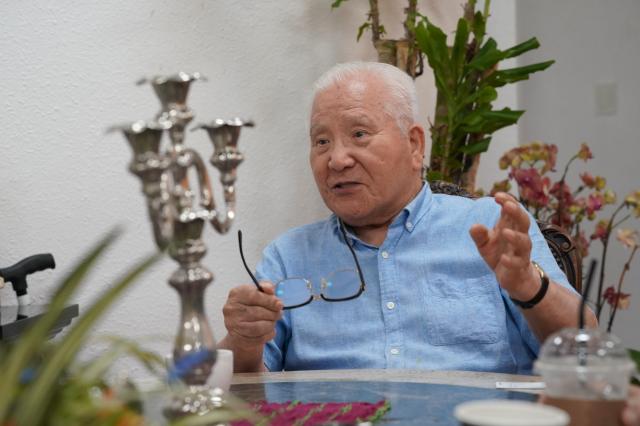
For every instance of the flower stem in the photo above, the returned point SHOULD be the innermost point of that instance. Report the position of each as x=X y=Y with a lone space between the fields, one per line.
x=561 y=190
x=566 y=168
x=603 y=261
x=627 y=266
x=621 y=220
x=579 y=190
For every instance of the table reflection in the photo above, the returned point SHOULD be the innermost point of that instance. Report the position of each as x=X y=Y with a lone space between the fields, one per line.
x=411 y=403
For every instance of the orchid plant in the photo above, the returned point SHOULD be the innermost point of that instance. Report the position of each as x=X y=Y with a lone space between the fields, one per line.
x=572 y=209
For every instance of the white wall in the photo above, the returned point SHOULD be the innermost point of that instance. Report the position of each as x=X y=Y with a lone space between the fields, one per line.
x=594 y=43
x=68 y=71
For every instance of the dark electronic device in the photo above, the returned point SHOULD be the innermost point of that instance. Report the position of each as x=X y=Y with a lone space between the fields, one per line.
x=17 y=274
x=15 y=320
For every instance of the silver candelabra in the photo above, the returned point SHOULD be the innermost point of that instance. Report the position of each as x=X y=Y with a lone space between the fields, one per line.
x=178 y=221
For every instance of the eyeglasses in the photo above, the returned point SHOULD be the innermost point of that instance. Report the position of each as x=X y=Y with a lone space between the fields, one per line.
x=339 y=286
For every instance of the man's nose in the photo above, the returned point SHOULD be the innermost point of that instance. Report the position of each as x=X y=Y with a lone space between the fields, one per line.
x=340 y=157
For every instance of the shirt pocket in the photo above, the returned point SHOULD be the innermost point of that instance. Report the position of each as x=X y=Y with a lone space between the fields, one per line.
x=470 y=311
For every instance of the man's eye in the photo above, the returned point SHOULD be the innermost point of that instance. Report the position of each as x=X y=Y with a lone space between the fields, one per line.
x=321 y=142
x=359 y=134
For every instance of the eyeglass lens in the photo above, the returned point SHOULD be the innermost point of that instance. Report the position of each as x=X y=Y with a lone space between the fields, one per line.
x=339 y=285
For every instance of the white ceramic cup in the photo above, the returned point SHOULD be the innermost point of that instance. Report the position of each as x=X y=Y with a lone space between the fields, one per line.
x=222 y=372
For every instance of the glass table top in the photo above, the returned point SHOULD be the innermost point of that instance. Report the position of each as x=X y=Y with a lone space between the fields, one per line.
x=411 y=403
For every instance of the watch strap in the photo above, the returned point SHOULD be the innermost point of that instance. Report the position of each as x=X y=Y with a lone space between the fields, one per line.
x=544 y=286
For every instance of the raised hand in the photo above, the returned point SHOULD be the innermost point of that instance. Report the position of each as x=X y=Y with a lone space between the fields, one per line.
x=507 y=249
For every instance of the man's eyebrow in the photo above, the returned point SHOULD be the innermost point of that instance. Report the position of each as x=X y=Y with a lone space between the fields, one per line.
x=316 y=128
x=361 y=118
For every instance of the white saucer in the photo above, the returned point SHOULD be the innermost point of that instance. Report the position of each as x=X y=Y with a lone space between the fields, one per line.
x=497 y=412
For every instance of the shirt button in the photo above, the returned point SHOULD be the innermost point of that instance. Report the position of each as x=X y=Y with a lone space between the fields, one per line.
x=391 y=305
x=409 y=226
x=385 y=254
x=395 y=351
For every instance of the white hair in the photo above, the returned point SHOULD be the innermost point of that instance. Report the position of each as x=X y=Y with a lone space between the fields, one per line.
x=401 y=88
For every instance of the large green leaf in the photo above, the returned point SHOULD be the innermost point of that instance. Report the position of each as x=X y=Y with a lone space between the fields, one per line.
x=362 y=28
x=484 y=95
x=453 y=163
x=432 y=41
x=521 y=48
x=459 y=49
x=487 y=56
x=477 y=147
x=511 y=75
x=472 y=122
x=22 y=352
x=433 y=176
x=489 y=121
x=337 y=3
x=479 y=26
x=34 y=403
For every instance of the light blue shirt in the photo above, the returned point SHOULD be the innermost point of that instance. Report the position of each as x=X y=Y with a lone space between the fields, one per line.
x=431 y=302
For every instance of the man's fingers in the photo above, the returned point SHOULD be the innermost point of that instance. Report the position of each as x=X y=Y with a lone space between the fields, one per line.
x=255 y=329
x=248 y=295
x=503 y=197
x=520 y=242
x=518 y=217
x=479 y=235
x=241 y=312
x=251 y=315
x=511 y=214
x=268 y=287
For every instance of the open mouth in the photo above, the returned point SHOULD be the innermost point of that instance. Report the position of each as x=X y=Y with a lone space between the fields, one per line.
x=344 y=185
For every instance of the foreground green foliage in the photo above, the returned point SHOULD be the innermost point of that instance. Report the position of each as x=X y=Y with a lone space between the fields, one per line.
x=38 y=386
x=44 y=384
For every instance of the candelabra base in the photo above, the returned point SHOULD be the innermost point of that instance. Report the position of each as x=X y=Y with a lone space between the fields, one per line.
x=195 y=401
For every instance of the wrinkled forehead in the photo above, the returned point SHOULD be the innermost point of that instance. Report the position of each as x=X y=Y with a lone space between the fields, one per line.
x=357 y=88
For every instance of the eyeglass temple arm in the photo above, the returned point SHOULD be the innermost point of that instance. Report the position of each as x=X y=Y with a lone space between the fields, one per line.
x=355 y=258
x=244 y=262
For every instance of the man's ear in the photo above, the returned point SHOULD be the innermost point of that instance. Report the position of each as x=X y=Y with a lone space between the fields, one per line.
x=417 y=144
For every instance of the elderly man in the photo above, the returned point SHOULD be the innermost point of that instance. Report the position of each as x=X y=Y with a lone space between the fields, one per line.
x=447 y=282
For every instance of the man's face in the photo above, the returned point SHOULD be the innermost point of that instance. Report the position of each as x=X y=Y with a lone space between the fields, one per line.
x=365 y=167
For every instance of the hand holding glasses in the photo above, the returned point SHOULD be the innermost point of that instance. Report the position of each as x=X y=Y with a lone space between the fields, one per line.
x=339 y=286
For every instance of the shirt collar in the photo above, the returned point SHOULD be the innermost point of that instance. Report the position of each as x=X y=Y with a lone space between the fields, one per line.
x=417 y=208
x=408 y=217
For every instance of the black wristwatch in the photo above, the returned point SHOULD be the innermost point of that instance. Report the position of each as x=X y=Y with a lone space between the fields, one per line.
x=544 y=280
